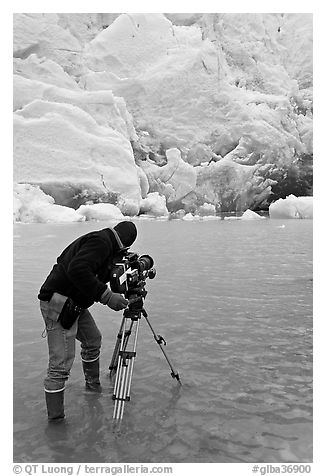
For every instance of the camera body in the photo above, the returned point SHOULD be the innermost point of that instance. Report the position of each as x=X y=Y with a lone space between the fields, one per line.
x=129 y=274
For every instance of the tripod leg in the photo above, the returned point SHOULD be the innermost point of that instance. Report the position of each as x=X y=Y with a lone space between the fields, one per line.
x=118 y=367
x=132 y=360
x=124 y=338
x=119 y=402
x=114 y=359
x=122 y=393
x=120 y=384
x=125 y=366
x=127 y=335
x=160 y=340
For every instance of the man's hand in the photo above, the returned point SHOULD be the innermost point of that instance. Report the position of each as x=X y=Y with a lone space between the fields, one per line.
x=117 y=302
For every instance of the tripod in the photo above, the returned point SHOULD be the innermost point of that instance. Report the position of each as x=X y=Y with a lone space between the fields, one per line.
x=124 y=354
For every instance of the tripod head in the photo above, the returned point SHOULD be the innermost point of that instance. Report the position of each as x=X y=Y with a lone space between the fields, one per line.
x=135 y=308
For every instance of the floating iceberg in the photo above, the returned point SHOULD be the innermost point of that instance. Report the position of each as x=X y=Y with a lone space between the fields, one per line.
x=190 y=217
x=250 y=215
x=100 y=212
x=292 y=207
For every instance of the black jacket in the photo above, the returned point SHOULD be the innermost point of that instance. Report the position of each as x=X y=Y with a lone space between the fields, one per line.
x=83 y=269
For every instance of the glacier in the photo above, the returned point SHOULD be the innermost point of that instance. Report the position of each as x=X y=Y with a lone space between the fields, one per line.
x=168 y=115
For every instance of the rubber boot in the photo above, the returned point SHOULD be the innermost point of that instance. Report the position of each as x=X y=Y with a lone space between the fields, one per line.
x=92 y=375
x=55 y=405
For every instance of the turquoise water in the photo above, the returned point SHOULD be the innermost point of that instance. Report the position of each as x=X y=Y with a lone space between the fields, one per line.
x=233 y=299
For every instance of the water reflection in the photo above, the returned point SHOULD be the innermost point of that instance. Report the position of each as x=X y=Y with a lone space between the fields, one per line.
x=237 y=317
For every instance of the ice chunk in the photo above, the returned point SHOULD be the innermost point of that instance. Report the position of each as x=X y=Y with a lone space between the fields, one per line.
x=292 y=207
x=154 y=204
x=190 y=217
x=31 y=205
x=207 y=210
x=304 y=207
x=100 y=212
x=250 y=215
x=55 y=214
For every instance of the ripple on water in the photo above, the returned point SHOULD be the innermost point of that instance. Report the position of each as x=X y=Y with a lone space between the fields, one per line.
x=237 y=317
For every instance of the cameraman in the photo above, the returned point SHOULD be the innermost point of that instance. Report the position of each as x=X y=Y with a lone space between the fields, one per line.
x=76 y=281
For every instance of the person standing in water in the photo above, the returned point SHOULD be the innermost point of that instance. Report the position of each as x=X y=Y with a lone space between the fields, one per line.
x=76 y=282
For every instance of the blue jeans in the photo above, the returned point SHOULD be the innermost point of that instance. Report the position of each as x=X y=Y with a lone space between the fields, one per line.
x=62 y=345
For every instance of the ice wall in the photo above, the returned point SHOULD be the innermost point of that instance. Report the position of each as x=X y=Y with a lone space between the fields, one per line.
x=100 y=99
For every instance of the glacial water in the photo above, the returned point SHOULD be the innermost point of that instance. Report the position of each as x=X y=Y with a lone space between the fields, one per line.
x=233 y=300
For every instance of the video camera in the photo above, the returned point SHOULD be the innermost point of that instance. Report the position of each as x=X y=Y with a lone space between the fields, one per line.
x=129 y=274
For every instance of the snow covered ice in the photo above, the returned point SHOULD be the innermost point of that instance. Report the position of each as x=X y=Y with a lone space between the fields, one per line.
x=158 y=114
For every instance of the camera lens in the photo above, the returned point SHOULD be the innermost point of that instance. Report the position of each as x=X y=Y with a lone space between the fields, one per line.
x=146 y=262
